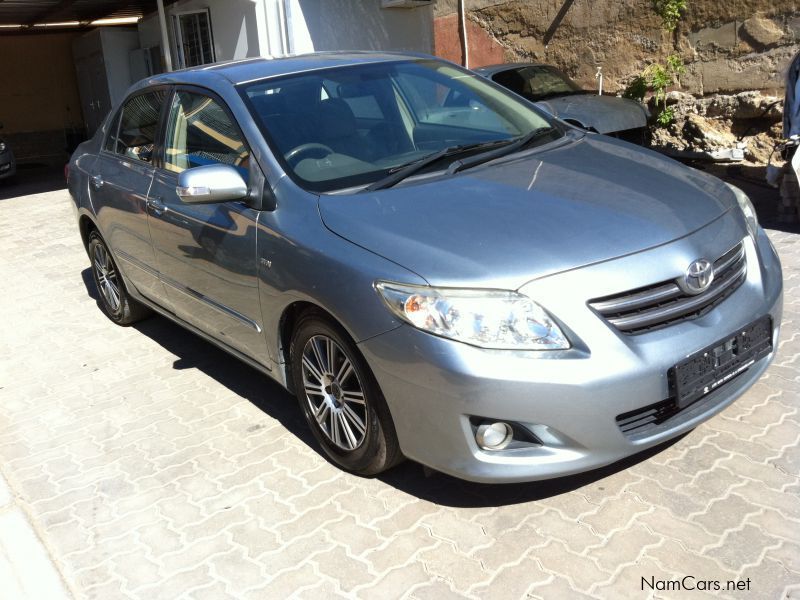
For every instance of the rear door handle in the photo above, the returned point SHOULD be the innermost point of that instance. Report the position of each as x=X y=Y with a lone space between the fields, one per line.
x=157 y=206
x=97 y=181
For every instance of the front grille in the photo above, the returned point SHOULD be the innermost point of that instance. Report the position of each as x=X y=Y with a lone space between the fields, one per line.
x=665 y=303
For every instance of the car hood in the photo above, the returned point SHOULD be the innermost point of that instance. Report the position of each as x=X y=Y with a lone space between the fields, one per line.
x=605 y=114
x=542 y=212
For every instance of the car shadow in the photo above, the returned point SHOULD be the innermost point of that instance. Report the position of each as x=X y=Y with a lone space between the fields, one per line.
x=32 y=179
x=409 y=477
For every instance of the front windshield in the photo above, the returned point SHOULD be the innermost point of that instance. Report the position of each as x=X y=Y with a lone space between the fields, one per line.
x=537 y=82
x=351 y=126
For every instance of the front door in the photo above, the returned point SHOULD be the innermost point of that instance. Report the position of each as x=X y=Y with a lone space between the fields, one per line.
x=206 y=253
x=119 y=184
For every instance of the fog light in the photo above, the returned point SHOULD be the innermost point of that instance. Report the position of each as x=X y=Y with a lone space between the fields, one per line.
x=494 y=436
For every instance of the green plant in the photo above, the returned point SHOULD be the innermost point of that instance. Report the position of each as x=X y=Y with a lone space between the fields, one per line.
x=666 y=117
x=656 y=78
x=670 y=12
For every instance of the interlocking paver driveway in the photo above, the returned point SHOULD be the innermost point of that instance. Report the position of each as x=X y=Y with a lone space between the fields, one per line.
x=153 y=465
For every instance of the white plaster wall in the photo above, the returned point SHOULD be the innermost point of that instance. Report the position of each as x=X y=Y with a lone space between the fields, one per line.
x=318 y=25
x=117 y=46
x=246 y=28
x=234 y=27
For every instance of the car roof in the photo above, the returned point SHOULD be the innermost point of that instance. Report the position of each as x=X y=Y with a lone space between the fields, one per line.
x=253 y=69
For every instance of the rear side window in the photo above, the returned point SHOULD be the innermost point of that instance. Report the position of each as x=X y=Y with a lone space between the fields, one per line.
x=200 y=132
x=139 y=125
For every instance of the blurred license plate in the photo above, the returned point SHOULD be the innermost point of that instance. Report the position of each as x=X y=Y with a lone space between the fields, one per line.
x=708 y=369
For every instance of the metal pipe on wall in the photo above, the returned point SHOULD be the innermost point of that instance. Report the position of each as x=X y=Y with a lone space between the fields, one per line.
x=284 y=27
x=162 y=24
x=462 y=20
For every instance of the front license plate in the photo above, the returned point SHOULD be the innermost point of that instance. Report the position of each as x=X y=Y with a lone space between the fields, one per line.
x=705 y=371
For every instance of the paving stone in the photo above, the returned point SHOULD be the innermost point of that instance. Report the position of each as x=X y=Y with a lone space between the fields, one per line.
x=625 y=546
x=464 y=535
x=435 y=590
x=579 y=536
x=581 y=571
x=742 y=548
x=725 y=513
x=395 y=583
x=616 y=514
x=237 y=570
x=557 y=587
x=512 y=580
x=348 y=571
x=770 y=579
x=400 y=549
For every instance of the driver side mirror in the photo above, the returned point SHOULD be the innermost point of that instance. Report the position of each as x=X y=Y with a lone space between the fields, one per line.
x=210 y=184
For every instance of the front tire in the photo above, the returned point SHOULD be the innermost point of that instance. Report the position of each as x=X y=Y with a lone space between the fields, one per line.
x=114 y=299
x=341 y=399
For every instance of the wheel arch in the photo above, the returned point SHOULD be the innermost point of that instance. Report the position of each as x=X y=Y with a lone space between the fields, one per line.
x=287 y=324
x=86 y=225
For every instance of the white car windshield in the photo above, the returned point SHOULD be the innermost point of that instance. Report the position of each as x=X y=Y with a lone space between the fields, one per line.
x=349 y=126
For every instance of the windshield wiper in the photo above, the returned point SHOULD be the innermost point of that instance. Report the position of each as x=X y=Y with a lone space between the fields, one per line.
x=397 y=174
x=518 y=144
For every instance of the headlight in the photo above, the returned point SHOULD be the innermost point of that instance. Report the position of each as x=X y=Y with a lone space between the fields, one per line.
x=2 y=147
x=484 y=318
x=747 y=208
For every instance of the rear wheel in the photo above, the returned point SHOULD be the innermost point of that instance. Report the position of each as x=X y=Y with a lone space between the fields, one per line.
x=114 y=299
x=340 y=398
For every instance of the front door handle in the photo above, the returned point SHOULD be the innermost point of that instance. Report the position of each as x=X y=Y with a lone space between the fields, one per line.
x=157 y=206
x=97 y=181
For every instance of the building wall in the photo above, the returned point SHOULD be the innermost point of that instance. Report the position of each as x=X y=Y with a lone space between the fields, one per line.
x=318 y=25
x=482 y=48
x=234 y=27
x=247 y=28
x=39 y=102
x=727 y=46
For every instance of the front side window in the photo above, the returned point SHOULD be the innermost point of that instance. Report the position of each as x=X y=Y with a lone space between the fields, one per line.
x=349 y=126
x=139 y=125
x=200 y=132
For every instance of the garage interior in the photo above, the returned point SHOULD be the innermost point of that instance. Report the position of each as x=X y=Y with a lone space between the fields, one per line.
x=66 y=62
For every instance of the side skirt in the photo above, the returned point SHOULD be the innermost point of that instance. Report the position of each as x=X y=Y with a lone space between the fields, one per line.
x=221 y=345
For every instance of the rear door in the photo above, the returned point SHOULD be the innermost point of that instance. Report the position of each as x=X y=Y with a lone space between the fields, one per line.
x=118 y=187
x=206 y=253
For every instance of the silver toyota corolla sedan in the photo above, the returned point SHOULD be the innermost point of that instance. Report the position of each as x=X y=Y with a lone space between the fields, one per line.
x=435 y=268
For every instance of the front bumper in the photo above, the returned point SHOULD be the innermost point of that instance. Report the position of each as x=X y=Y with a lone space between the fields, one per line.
x=570 y=399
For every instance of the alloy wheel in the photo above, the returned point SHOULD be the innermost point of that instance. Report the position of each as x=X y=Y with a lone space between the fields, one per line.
x=334 y=393
x=107 y=277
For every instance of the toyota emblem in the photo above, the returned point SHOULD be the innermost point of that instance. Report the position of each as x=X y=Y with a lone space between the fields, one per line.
x=698 y=277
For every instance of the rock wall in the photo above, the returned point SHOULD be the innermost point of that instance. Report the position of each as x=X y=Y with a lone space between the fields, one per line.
x=728 y=47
